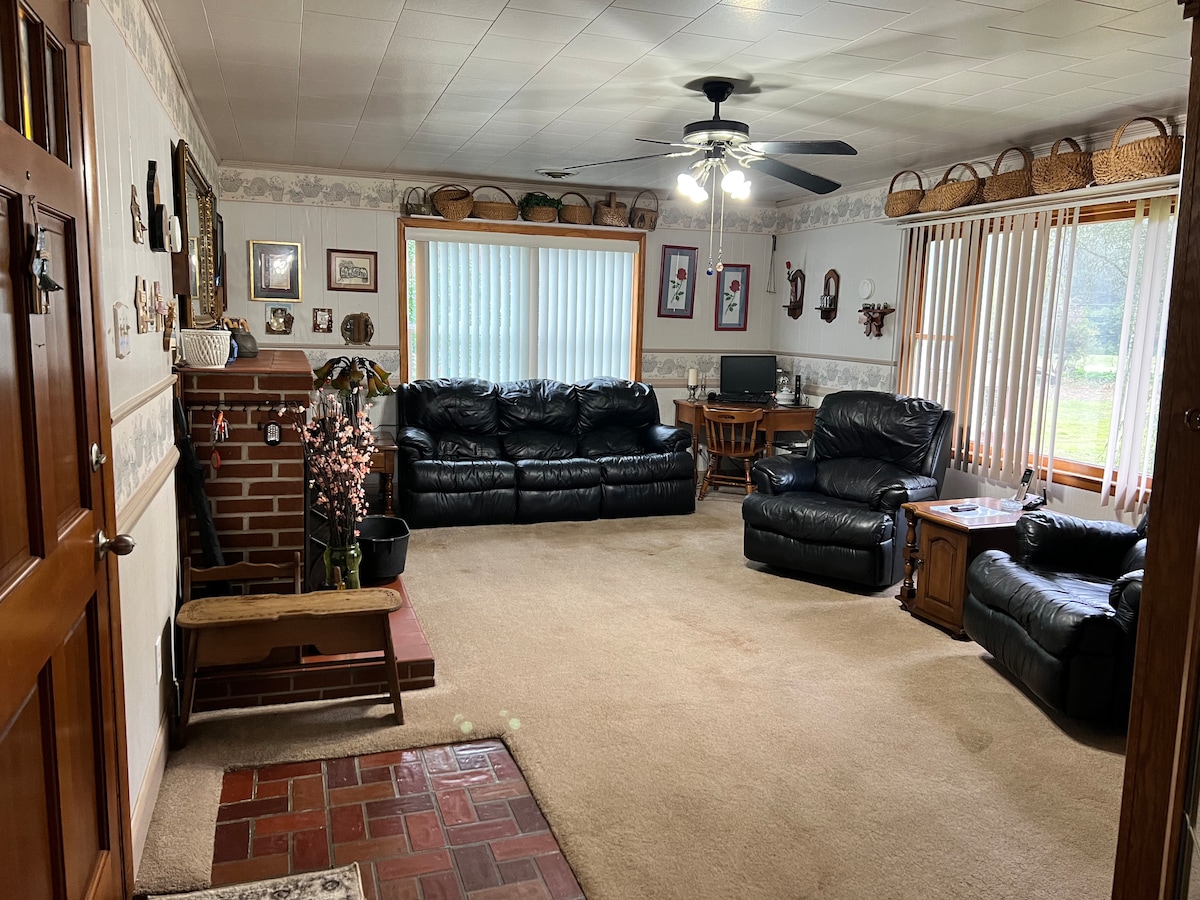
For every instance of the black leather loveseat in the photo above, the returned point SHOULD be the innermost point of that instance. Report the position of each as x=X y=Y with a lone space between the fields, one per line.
x=836 y=512
x=474 y=452
x=1061 y=613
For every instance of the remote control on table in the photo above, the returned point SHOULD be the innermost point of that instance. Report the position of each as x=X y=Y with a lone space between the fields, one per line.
x=963 y=507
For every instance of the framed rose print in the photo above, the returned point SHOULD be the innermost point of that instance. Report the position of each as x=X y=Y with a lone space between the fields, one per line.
x=274 y=270
x=677 y=288
x=733 y=296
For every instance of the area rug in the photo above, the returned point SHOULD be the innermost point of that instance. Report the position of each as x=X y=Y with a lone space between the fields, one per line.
x=332 y=884
x=694 y=726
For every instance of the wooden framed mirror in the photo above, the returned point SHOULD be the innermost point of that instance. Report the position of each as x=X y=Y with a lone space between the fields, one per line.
x=194 y=266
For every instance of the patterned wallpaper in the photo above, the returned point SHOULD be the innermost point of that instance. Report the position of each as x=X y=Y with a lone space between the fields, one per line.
x=140 y=441
x=820 y=376
x=146 y=46
x=839 y=209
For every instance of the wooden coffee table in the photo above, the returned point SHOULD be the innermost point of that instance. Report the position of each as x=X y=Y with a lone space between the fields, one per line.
x=935 y=569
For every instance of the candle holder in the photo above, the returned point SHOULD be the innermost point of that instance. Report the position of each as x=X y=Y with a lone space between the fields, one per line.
x=692 y=389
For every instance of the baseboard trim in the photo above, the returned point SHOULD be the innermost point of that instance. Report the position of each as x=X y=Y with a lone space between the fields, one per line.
x=143 y=806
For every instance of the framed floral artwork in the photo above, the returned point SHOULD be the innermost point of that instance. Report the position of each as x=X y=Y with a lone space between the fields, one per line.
x=733 y=296
x=677 y=288
x=275 y=270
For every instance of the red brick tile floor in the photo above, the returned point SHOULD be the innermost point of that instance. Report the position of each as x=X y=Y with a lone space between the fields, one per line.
x=454 y=821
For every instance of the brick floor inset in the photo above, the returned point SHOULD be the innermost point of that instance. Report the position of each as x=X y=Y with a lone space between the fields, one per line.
x=455 y=821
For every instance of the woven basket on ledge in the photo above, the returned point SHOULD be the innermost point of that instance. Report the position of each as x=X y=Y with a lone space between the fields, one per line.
x=575 y=213
x=452 y=201
x=1062 y=171
x=947 y=195
x=1009 y=185
x=907 y=201
x=1161 y=154
x=611 y=213
x=502 y=210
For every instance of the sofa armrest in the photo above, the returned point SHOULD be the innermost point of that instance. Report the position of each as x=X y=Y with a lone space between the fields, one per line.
x=892 y=494
x=413 y=443
x=667 y=439
x=779 y=474
x=1087 y=546
x=1125 y=597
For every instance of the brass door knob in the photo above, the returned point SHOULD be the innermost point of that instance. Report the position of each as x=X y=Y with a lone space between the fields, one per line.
x=121 y=544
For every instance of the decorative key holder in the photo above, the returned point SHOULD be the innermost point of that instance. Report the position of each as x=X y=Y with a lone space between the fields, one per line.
x=828 y=304
x=872 y=316
x=40 y=265
x=795 y=304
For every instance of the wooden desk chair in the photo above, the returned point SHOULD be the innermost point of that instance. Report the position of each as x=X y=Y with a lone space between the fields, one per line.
x=733 y=434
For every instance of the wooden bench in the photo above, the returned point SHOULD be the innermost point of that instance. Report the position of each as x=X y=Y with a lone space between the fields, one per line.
x=245 y=629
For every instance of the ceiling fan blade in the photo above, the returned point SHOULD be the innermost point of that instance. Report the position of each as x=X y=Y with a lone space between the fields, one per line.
x=666 y=143
x=836 y=148
x=609 y=162
x=799 y=177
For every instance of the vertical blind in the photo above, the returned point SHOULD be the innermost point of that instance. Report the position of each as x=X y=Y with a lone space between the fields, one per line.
x=504 y=312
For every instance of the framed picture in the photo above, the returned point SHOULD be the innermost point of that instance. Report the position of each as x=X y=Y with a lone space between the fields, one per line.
x=274 y=271
x=353 y=270
x=733 y=295
x=323 y=321
x=279 y=318
x=677 y=285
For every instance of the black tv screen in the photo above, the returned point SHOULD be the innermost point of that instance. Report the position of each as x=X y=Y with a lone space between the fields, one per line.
x=747 y=374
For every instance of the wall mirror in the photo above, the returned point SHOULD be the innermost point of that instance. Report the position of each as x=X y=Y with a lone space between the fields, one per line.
x=194 y=266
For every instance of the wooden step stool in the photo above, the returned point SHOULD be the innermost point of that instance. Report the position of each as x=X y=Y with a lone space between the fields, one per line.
x=245 y=629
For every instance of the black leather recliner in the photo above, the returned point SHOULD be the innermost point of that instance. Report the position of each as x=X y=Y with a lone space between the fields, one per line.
x=474 y=452
x=1061 y=614
x=836 y=512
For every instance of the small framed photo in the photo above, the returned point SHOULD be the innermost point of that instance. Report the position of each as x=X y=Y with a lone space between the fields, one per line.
x=353 y=270
x=323 y=321
x=733 y=295
x=677 y=286
x=279 y=318
x=274 y=271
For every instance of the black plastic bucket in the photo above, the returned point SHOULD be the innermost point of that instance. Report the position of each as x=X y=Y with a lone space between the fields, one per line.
x=384 y=542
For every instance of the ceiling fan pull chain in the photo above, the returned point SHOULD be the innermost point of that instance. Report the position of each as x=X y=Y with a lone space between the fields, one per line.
x=712 y=214
x=721 y=239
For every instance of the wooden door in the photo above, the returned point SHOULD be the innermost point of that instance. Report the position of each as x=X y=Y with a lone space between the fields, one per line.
x=63 y=829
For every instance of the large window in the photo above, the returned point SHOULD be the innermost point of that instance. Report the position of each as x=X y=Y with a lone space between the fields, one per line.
x=1044 y=331
x=527 y=303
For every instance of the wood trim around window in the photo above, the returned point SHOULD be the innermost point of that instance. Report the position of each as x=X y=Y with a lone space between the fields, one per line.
x=491 y=227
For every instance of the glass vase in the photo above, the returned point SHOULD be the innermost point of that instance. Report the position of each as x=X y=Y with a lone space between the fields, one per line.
x=346 y=560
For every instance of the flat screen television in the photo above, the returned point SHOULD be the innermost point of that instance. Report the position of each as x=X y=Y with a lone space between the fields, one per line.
x=747 y=374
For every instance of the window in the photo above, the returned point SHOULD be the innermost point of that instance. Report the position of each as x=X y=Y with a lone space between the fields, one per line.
x=506 y=303
x=1043 y=331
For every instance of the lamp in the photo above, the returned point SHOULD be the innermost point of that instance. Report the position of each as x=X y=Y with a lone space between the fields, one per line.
x=733 y=182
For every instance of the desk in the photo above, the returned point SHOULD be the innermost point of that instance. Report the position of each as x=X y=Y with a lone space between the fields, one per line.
x=775 y=418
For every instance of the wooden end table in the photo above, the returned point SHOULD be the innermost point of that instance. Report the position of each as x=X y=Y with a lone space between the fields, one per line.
x=935 y=569
x=383 y=462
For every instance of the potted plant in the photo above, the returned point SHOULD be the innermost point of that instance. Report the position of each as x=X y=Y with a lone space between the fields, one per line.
x=538 y=207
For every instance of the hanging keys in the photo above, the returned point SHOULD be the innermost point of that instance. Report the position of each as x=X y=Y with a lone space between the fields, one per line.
x=220 y=433
x=40 y=266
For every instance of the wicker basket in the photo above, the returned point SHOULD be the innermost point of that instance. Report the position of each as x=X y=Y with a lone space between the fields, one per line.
x=1062 y=171
x=902 y=203
x=205 y=349
x=416 y=202
x=1146 y=158
x=574 y=213
x=1009 y=185
x=947 y=195
x=503 y=210
x=644 y=216
x=452 y=201
x=538 y=213
x=611 y=213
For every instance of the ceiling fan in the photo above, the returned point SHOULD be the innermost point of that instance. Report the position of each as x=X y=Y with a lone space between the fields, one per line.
x=723 y=141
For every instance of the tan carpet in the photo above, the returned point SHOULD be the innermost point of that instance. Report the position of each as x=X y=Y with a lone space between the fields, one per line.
x=696 y=727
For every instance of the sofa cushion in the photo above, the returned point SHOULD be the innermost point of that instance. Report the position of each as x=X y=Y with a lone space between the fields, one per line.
x=452 y=404
x=818 y=518
x=1063 y=612
x=889 y=427
x=556 y=474
x=612 y=440
x=857 y=479
x=612 y=401
x=534 y=443
x=646 y=468
x=537 y=403
x=458 y=476
x=465 y=445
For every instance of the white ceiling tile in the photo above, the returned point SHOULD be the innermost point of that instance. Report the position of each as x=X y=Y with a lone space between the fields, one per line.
x=380 y=10
x=931 y=65
x=342 y=37
x=637 y=25
x=482 y=87
x=318 y=158
x=526 y=51
x=254 y=112
x=1152 y=81
x=344 y=110
x=426 y=51
x=269 y=10
x=369 y=157
x=838 y=65
x=402 y=77
x=1027 y=64
x=330 y=75
x=1055 y=19
x=392 y=109
x=967 y=83
x=741 y=24
x=601 y=47
x=792 y=46
x=322 y=135
x=841 y=20
x=518 y=23
x=243 y=79
x=270 y=152
x=375 y=133
x=471 y=9
x=465 y=103
x=1116 y=65
x=999 y=100
x=1157 y=21
x=1178 y=46
x=786 y=7
x=416 y=25
x=698 y=47
x=498 y=70
x=1056 y=82
x=587 y=9
x=689 y=8
x=257 y=40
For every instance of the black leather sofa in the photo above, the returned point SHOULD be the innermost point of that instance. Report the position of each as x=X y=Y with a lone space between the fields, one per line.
x=836 y=512
x=1061 y=614
x=474 y=452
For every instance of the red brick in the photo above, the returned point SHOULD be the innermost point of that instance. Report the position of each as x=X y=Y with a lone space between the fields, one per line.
x=225 y=488
x=522 y=890
x=265 y=451
x=413 y=864
x=506 y=769
x=456 y=807
x=273 y=522
x=360 y=793
x=289 y=770
x=439 y=760
x=272 y=844
x=289 y=470
x=481 y=831
x=298 y=821
x=514 y=870
x=529 y=817
x=376 y=774
x=506 y=790
x=272 y=789
x=525 y=845
x=341 y=773
x=248 y=541
x=322 y=679
x=373 y=848
x=475 y=866
x=493 y=809
x=225 y=506
x=409 y=803
x=410 y=779
x=386 y=826
x=424 y=831
x=310 y=850
x=558 y=877
x=309 y=793
x=404 y=889
x=252 y=809
x=232 y=842
x=273 y=488
x=388 y=758
x=256 y=869
x=291 y=539
x=348 y=824
x=290 y=504
x=237 y=786
x=462 y=779
x=443 y=886
x=247 y=470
